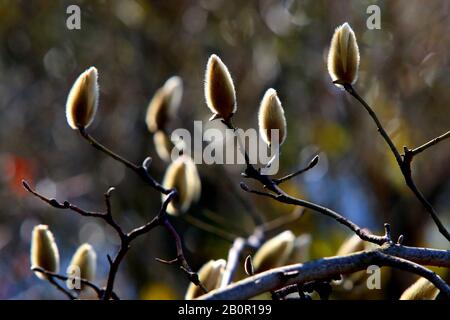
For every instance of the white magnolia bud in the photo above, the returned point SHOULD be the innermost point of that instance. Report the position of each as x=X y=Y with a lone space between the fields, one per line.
x=274 y=252
x=85 y=259
x=351 y=245
x=44 y=252
x=182 y=175
x=271 y=117
x=219 y=89
x=343 y=57
x=422 y=289
x=210 y=275
x=164 y=103
x=82 y=101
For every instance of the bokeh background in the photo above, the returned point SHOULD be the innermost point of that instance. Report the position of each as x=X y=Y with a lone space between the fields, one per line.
x=137 y=45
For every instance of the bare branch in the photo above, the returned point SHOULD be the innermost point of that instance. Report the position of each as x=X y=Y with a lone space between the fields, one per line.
x=85 y=282
x=141 y=171
x=334 y=266
x=126 y=238
x=311 y=165
x=430 y=143
x=405 y=162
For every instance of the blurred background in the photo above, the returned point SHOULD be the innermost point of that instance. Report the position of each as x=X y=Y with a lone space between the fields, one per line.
x=136 y=46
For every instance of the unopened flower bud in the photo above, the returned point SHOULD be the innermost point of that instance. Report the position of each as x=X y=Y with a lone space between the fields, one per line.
x=343 y=57
x=271 y=117
x=163 y=145
x=275 y=252
x=422 y=289
x=44 y=252
x=164 y=104
x=351 y=245
x=219 y=89
x=210 y=275
x=85 y=261
x=82 y=101
x=182 y=175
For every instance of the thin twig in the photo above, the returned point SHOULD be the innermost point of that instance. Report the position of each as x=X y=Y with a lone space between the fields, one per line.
x=61 y=288
x=311 y=165
x=225 y=235
x=281 y=196
x=141 y=171
x=84 y=282
x=349 y=88
x=430 y=143
x=126 y=238
x=405 y=162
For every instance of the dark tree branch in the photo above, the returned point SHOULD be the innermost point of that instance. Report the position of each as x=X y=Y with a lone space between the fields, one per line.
x=405 y=162
x=126 y=238
x=311 y=165
x=281 y=196
x=430 y=143
x=327 y=268
x=141 y=171
x=225 y=235
x=253 y=241
x=69 y=295
x=85 y=282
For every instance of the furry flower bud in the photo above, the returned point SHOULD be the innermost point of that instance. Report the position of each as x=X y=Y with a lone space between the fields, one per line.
x=210 y=275
x=85 y=259
x=163 y=104
x=182 y=175
x=422 y=289
x=343 y=57
x=274 y=252
x=44 y=252
x=219 y=89
x=271 y=117
x=82 y=101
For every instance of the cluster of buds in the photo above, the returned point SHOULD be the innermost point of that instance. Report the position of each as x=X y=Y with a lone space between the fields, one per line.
x=44 y=254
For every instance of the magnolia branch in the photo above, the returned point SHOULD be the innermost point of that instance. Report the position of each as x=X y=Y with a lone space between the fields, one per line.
x=52 y=276
x=254 y=241
x=126 y=238
x=396 y=256
x=404 y=162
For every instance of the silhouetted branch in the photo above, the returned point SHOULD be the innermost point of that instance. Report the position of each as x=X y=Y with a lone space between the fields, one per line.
x=84 y=282
x=126 y=238
x=253 y=241
x=430 y=143
x=327 y=268
x=141 y=171
x=405 y=162
x=311 y=165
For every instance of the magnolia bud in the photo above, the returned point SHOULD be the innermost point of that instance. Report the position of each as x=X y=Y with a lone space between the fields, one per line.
x=422 y=289
x=82 y=101
x=300 y=250
x=343 y=57
x=219 y=89
x=271 y=117
x=210 y=275
x=274 y=252
x=163 y=104
x=182 y=175
x=163 y=145
x=351 y=245
x=44 y=252
x=85 y=259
